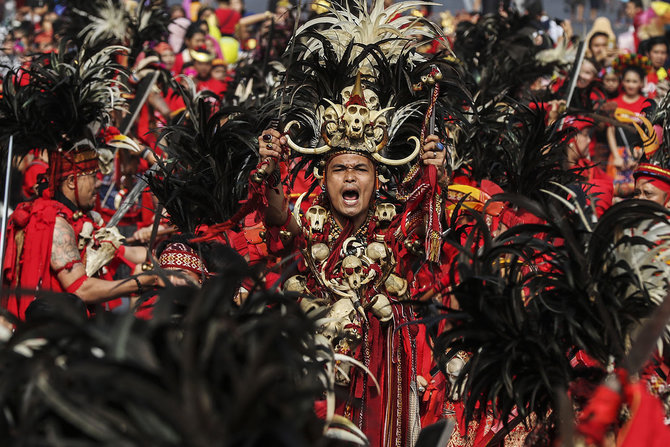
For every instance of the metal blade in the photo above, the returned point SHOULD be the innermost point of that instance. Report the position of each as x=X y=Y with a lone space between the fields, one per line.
x=581 y=52
x=130 y=199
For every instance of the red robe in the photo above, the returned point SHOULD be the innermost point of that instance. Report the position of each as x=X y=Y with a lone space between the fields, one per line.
x=27 y=262
x=29 y=267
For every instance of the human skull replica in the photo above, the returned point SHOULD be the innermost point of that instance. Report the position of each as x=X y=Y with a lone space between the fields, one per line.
x=371 y=98
x=356 y=118
x=320 y=252
x=352 y=268
x=395 y=285
x=308 y=304
x=85 y=234
x=454 y=368
x=105 y=161
x=340 y=315
x=382 y=308
x=377 y=252
x=316 y=215
x=343 y=331
x=331 y=118
x=385 y=212
x=295 y=284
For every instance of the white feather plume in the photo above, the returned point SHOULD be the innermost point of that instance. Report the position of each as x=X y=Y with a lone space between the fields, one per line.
x=388 y=28
x=111 y=23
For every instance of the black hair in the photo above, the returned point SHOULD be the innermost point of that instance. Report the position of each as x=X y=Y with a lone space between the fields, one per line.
x=637 y=3
x=193 y=29
x=66 y=304
x=597 y=34
x=640 y=72
x=652 y=42
x=60 y=25
x=26 y=27
x=202 y=11
x=174 y=8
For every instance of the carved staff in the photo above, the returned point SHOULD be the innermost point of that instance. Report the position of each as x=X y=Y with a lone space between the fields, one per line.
x=261 y=170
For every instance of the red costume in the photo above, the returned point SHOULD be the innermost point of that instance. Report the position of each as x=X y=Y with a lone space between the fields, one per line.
x=27 y=263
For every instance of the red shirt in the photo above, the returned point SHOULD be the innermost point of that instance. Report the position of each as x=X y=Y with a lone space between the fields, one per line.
x=228 y=20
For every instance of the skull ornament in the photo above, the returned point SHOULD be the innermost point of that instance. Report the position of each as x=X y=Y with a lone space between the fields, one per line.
x=340 y=315
x=355 y=119
x=331 y=118
x=385 y=212
x=85 y=234
x=382 y=308
x=371 y=98
x=296 y=284
x=309 y=304
x=320 y=252
x=376 y=251
x=316 y=215
x=380 y=125
x=395 y=285
x=352 y=268
x=453 y=369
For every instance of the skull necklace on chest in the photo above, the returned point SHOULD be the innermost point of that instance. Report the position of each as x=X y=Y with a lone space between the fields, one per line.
x=359 y=238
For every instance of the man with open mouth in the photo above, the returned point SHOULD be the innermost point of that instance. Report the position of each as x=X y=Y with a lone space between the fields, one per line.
x=359 y=241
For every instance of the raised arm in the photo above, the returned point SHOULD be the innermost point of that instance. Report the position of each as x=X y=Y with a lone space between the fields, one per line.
x=270 y=145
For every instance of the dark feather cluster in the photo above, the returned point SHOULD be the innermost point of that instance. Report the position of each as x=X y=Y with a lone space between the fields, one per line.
x=499 y=54
x=221 y=375
x=662 y=118
x=510 y=144
x=60 y=100
x=210 y=155
x=539 y=292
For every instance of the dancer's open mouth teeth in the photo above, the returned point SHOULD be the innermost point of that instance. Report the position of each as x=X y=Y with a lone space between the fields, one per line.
x=350 y=195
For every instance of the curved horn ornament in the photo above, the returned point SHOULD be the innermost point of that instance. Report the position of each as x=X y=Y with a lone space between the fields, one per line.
x=402 y=161
x=303 y=150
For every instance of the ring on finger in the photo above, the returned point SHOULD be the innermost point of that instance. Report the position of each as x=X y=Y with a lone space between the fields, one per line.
x=439 y=147
x=267 y=137
x=269 y=145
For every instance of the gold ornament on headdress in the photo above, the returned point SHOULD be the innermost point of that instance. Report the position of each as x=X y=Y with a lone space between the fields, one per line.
x=354 y=126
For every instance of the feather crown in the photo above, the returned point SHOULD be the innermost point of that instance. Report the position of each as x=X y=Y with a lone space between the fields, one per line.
x=351 y=87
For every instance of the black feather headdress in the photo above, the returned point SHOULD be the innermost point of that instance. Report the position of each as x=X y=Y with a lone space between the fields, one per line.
x=377 y=44
x=500 y=55
x=533 y=296
x=221 y=374
x=56 y=102
x=210 y=155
